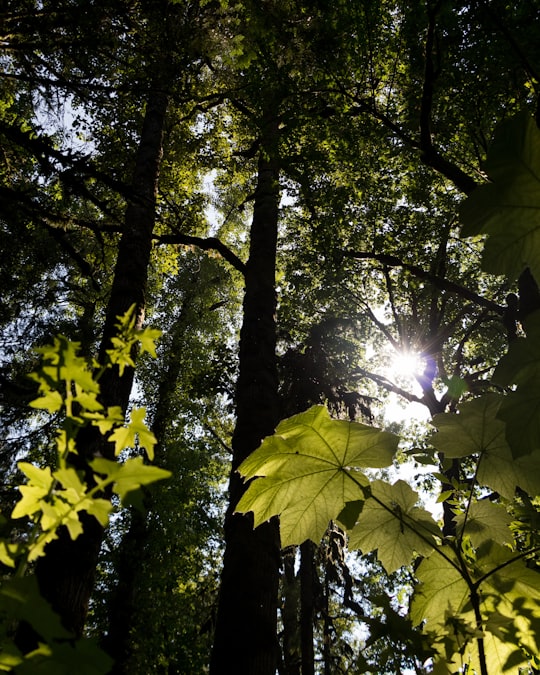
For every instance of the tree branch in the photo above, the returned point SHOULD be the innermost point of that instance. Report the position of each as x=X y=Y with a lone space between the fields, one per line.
x=388 y=385
x=440 y=282
x=71 y=168
x=429 y=155
x=206 y=244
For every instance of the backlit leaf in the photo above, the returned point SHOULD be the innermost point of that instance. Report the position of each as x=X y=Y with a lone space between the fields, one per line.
x=477 y=429
x=51 y=401
x=441 y=591
x=391 y=524
x=147 y=337
x=485 y=521
x=309 y=469
x=130 y=475
x=124 y=437
x=473 y=430
x=508 y=208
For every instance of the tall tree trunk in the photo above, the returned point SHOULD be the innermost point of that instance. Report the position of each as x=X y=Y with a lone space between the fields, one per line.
x=245 y=641
x=66 y=573
x=309 y=582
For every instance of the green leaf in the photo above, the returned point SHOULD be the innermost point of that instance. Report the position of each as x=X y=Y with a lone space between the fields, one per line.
x=124 y=437
x=501 y=472
x=522 y=361
x=521 y=408
x=521 y=413
x=63 y=363
x=10 y=657
x=100 y=509
x=502 y=655
x=309 y=469
x=473 y=430
x=42 y=478
x=485 y=521
x=130 y=475
x=512 y=589
x=391 y=524
x=106 y=422
x=83 y=657
x=148 y=337
x=21 y=600
x=350 y=513
x=8 y=553
x=442 y=592
x=87 y=401
x=30 y=501
x=71 y=480
x=508 y=208
x=506 y=588
x=476 y=429
x=52 y=401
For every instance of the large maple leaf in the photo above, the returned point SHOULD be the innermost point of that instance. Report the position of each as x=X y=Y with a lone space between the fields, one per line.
x=309 y=469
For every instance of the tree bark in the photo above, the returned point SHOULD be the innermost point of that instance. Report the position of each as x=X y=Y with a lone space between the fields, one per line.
x=308 y=584
x=245 y=641
x=66 y=573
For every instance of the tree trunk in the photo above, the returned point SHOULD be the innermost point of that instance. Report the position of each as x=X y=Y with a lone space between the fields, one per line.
x=245 y=641
x=66 y=573
x=308 y=586
x=290 y=614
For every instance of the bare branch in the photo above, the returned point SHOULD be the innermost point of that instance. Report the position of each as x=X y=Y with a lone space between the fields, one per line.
x=206 y=244
x=440 y=282
x=388 y=385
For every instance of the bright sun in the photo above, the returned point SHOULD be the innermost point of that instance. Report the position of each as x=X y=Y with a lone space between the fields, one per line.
x=406 y=365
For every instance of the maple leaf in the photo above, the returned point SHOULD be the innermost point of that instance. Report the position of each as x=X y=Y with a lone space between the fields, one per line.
x=126 y=477
x=309 y=469
x=391 y=524
x=508 y=208
x=124 y=437
x=477 y=429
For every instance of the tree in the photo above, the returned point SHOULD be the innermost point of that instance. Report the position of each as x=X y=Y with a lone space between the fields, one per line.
x=342 y=142
x=66 y=574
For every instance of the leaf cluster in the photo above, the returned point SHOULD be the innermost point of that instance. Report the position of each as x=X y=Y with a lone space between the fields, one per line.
x=58 y=497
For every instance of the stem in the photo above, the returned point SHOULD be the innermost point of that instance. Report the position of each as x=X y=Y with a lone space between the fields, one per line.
x=475 y=601
x=511 y=561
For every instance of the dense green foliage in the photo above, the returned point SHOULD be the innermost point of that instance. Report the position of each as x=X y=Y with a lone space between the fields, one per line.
x=278 y=187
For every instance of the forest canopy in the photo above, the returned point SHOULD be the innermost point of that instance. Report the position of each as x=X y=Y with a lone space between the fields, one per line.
x=269 y=314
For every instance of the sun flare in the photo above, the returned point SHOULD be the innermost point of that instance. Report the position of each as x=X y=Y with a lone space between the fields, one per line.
x=407 y=364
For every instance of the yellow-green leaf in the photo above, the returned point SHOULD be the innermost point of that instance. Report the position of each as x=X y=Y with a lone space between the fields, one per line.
x=51 y=401
x=309 y=469
x=391 y=524
x=124 y=437
x=147 y=337
x=130 y=475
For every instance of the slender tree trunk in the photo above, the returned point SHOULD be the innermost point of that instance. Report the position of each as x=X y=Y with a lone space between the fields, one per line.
x=290 y=614
x=308 y=584
x=66 y=573
x=245 y=641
